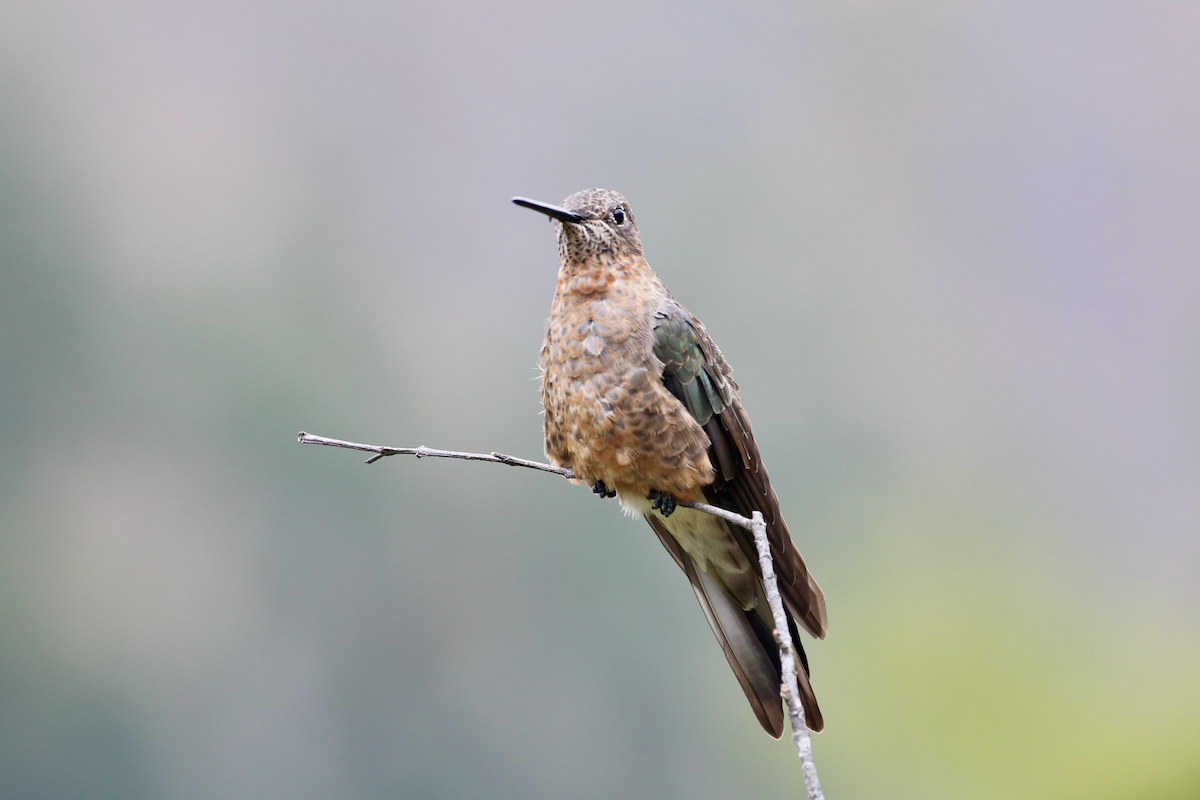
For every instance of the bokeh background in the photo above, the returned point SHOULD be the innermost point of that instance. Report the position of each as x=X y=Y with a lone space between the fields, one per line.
x=950 y=247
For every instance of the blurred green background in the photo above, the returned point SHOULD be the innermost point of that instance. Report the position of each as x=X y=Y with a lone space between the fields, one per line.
x=950 y=248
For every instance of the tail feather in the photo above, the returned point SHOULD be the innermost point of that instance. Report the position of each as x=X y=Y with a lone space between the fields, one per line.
x=747 y=642
x=756 y=671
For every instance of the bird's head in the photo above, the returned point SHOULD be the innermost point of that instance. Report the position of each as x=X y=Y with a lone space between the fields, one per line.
x=594 y=223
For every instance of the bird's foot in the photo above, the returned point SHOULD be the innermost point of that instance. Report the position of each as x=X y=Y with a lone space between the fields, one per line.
x=600 y=488
x=663 y=503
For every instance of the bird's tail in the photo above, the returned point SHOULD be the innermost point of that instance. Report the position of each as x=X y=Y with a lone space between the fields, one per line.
x=748 y=643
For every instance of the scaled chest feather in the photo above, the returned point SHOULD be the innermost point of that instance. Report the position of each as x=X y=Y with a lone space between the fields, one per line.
x=607 y=414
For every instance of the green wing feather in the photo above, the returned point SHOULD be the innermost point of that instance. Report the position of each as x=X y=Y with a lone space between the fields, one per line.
x=687 y=372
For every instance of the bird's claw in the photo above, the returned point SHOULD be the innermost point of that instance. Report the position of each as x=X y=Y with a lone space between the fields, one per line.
x=663 y=503
x=600 y=488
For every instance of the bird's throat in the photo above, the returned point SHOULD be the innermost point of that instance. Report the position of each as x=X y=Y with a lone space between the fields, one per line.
x=588 y=278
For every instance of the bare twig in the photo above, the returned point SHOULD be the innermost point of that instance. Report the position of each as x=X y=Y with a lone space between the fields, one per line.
x=787 y=654
x=787 y=660
x=494 y=458
x=429 y=452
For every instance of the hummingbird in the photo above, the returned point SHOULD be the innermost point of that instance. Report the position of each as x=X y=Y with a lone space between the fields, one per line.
x=639 y=402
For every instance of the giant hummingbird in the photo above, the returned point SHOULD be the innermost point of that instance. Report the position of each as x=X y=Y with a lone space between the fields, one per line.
x=641 y=405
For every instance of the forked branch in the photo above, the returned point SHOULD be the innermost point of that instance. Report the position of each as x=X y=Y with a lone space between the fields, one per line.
x=790 y=690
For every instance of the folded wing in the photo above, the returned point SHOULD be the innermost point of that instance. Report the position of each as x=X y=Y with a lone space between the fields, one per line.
x=695 y=372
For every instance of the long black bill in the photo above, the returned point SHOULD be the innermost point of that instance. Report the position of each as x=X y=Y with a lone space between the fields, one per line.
x=560 y=214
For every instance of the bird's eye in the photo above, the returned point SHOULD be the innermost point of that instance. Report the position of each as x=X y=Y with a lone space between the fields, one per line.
x=618 y=215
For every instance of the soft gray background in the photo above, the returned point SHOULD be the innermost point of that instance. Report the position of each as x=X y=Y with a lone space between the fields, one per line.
x=951 y=249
